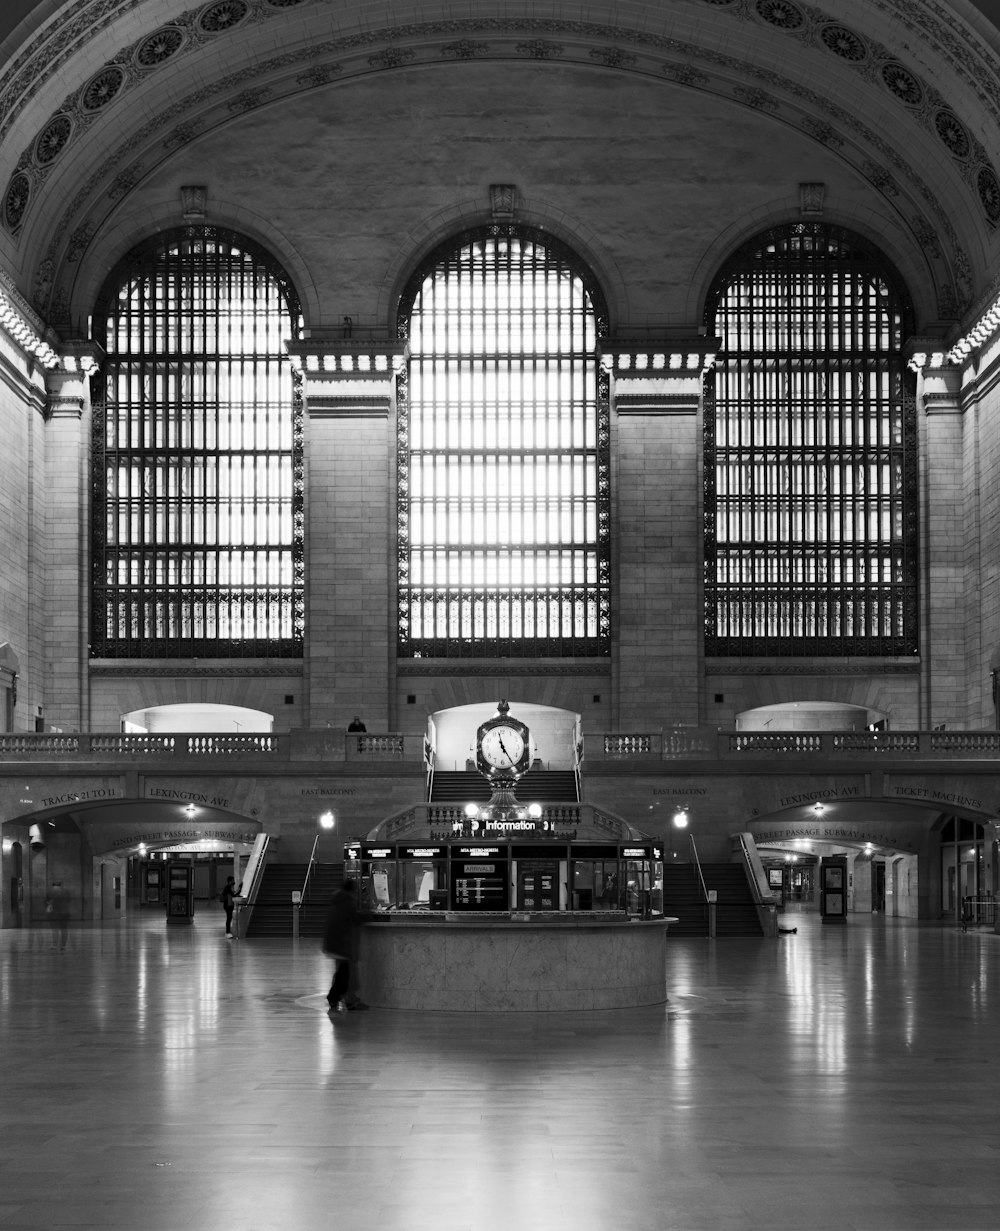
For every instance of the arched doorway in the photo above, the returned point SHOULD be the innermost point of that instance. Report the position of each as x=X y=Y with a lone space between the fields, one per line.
x=810 y=716
x=968 y=871
x=196 y=717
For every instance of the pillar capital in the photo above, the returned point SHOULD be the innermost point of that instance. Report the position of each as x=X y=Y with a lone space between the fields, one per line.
x=659 y=374
x=347 y=377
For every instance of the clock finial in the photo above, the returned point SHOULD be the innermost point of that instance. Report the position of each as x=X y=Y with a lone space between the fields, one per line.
x=502 y=708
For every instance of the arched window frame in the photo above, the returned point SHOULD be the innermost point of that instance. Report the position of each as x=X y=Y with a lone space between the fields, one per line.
x=168 y=582
x=567 y=618
x=786 y=571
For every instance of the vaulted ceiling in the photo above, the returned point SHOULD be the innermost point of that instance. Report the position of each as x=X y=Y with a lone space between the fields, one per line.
x=348 y=136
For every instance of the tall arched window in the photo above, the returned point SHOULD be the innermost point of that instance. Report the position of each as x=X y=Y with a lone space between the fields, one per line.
x=810 y=474
x=197 y=456
x=503 y=453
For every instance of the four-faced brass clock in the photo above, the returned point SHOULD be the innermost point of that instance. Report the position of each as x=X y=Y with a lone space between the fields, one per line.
x=503 y=748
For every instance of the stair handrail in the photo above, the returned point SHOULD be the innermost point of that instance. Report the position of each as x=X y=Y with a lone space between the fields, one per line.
x=764 y=900
x=697 y=863
x=309 y=867
x=254 y=874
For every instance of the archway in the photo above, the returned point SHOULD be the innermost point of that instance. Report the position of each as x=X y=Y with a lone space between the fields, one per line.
x=197 y=717
x=555 y=733
x=810 y=716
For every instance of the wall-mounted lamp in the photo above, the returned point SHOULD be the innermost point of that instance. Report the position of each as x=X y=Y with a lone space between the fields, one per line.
x=819 y=808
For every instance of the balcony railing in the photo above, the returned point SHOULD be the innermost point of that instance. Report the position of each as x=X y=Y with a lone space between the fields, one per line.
x=697 y=743
x=637 y=748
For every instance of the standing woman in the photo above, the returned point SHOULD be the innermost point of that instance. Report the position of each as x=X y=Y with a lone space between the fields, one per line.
x=228 y=898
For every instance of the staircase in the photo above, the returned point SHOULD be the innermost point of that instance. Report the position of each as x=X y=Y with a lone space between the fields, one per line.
x=554 y=786
x=271 y=916
x=683 y=898
x=735 y=912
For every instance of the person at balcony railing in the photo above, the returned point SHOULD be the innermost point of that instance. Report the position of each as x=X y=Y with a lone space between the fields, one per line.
x=356 y=725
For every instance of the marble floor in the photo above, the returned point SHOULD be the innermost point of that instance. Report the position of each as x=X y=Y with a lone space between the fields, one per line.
x=162 y=1078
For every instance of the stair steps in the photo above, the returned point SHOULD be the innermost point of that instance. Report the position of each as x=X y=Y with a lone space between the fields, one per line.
x=735 y=912
x=272 y=915
x=553 y=786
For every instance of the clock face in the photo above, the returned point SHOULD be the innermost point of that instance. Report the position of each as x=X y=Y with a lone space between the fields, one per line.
x=502 y=747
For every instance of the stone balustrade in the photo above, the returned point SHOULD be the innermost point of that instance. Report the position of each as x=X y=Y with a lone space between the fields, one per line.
x=687 y=744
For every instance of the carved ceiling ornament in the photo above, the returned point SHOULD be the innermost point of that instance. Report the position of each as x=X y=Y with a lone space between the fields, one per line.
x=579 y=42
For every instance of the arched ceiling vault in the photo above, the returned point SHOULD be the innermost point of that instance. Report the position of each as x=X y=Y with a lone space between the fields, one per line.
x=108 y=107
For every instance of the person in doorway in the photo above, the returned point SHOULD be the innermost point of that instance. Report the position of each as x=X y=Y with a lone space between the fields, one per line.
x=57 y=910
x=356 y=724
x=340 y=941
x=228 y=896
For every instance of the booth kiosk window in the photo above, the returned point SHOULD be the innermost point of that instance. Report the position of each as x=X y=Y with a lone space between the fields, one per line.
x=422 y=877
x=373 y=866
x=550 y=876
x=641 y=884
x=480 y=878
x=595 y=876
x=538 y=872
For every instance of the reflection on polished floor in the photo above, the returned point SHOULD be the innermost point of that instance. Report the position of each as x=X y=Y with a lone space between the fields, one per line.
x=163 y=1078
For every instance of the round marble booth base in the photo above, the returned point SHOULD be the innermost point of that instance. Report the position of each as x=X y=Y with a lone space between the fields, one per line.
x=469 y=964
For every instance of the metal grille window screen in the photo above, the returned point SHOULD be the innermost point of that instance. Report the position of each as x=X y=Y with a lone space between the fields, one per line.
x=503 y=455
x=810 y=476
x=197 y=455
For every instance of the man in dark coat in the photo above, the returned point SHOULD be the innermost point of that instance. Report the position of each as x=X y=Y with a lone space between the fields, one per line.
x=340 y=941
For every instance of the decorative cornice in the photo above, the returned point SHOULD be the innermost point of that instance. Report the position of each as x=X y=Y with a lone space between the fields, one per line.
x=248 y=670
x=356 y=359
x=658 y=357
x=873 y=669
x=501 y=666
x=656 y=404
x=319 y=407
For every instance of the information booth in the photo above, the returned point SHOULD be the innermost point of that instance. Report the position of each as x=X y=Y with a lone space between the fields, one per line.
x=624 y=879
x=510 y=925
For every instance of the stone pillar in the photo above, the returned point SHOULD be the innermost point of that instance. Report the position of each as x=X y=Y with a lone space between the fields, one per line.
x=953 y=678
x=350 y=485
x=66 y=599
x=656 y=401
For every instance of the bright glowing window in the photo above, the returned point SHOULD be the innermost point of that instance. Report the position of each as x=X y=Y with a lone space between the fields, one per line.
x=197 y=455
x=810 y=476
x=503 y=454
